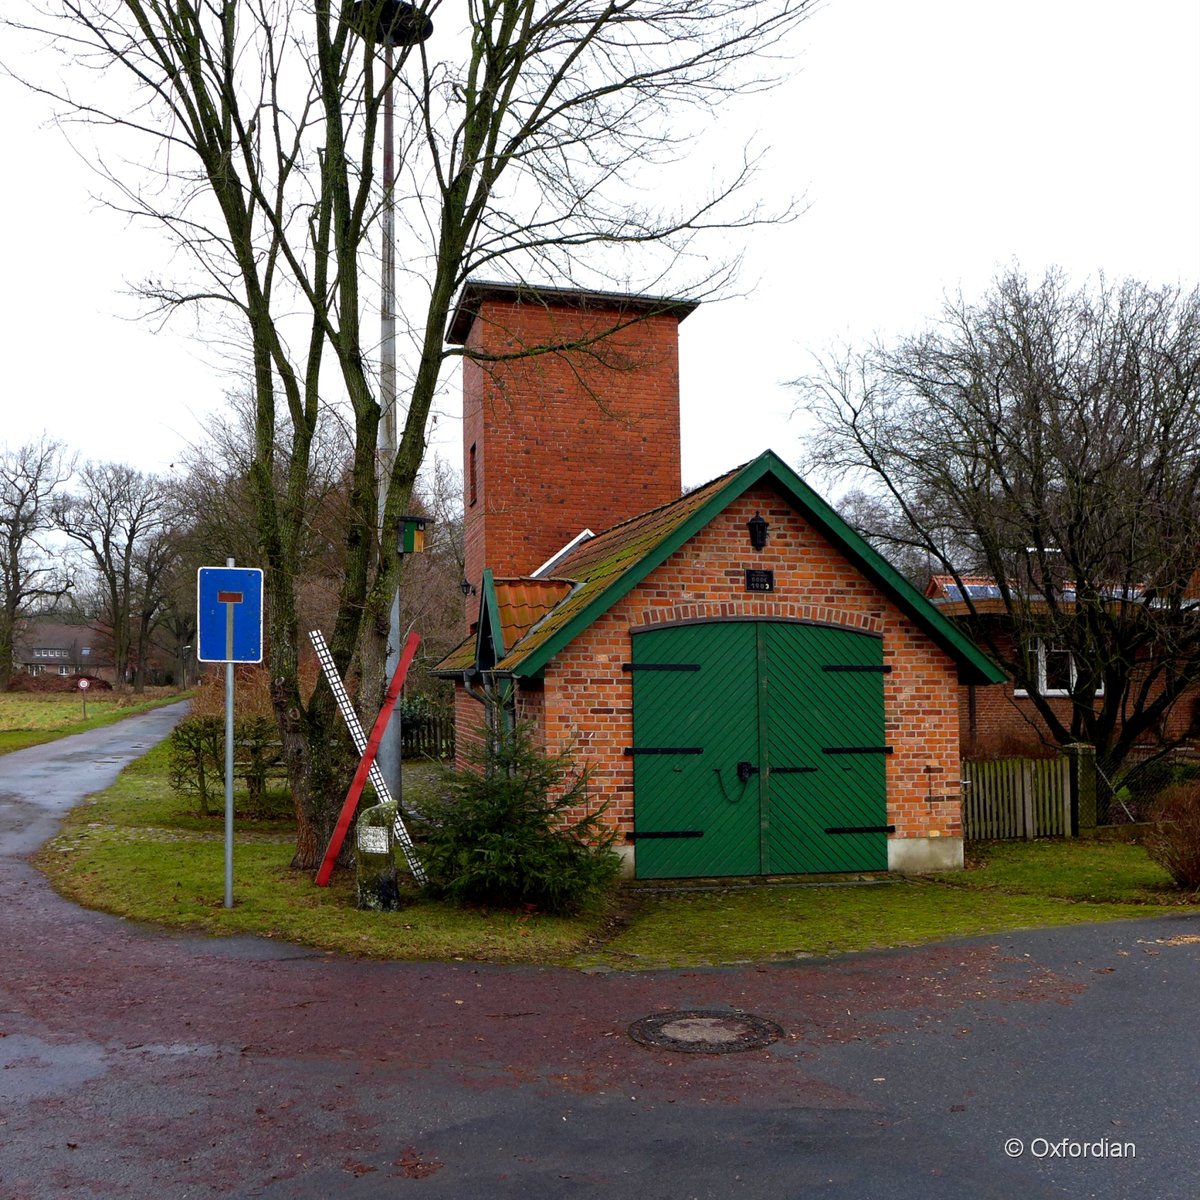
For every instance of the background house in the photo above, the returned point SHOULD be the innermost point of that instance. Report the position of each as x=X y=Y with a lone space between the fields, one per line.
x=49 y=646
x=1000 y=720
x=754 y=688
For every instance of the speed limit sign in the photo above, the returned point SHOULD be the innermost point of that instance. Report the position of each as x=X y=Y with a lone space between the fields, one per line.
x=84 y=685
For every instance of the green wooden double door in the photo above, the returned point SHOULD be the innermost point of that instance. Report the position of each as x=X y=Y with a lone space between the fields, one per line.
x=758 y=749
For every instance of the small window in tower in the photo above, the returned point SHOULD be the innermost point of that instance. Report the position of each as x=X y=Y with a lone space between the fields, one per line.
x=472 y=486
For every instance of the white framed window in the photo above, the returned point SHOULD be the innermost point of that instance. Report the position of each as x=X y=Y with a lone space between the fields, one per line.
x=1056 y=672
x=65 y=670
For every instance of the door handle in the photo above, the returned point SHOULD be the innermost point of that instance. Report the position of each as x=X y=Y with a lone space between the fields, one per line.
x=745 y=770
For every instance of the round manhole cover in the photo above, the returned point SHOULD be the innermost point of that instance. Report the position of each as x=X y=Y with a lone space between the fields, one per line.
x=705 y=1032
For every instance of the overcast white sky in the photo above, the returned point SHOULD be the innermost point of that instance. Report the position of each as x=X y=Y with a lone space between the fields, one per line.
x=935 y=142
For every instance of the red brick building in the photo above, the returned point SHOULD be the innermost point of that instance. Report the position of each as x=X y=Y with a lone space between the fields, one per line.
x=755 y=690
x=1000 y=720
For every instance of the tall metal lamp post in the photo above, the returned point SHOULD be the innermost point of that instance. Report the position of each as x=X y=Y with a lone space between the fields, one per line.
x=389 y=23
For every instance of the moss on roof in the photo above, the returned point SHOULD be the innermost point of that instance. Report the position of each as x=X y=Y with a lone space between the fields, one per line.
x=460 y=659
x=599 y=564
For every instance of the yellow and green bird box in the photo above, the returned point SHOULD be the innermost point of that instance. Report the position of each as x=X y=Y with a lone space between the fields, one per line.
x=412 y=535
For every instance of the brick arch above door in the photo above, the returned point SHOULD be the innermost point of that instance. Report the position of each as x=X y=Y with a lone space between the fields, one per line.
x=758 y=610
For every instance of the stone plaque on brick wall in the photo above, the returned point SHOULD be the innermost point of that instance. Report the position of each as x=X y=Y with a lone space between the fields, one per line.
x=759 y=581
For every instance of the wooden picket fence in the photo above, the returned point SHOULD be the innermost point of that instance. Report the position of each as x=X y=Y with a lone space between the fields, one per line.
x=1017 y=798
x=429 y=736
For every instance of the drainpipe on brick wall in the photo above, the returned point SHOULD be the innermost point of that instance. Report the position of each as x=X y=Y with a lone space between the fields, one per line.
x=507 y=706
x=466 y=681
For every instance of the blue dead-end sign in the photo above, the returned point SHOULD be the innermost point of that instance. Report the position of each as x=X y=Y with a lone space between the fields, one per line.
x=229 y=614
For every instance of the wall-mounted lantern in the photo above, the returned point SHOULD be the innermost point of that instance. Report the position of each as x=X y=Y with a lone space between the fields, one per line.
x=411 y=535
x=758 y=531
x=466 y=588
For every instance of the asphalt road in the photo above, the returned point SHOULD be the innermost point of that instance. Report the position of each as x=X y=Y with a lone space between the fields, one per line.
x=140 y=1064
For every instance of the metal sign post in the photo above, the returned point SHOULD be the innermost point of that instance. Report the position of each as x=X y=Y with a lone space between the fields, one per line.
x=229 y=618
x=83 y=687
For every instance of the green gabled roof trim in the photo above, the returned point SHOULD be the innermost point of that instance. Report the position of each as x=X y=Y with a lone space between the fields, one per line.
x=489 y=643
x=634 y=560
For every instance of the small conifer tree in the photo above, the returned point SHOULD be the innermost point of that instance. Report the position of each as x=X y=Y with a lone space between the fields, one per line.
x=506 y=829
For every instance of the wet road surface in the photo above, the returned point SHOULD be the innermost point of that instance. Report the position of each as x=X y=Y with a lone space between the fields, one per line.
x=134 y=1063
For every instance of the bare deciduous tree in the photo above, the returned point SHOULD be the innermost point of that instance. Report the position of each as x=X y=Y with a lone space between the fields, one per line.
x=1047 y=438
x=529 y=134
x=213 y=481
x=173 y=638
x=127 y=524
x=29 y=574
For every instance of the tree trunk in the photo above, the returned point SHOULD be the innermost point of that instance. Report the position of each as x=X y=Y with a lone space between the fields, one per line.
x=320 y=763
x=7 y=651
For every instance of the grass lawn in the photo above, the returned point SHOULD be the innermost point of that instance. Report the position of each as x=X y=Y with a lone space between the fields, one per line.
x=1082 y=870
x=31 y=718
x=1009 y=885
x=137 y=851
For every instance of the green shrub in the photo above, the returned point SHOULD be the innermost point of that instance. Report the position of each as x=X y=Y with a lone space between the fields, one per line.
x=1173 y=840
x=256 y=753
x=414 y=708
x=197 y=760
x=500 y=831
